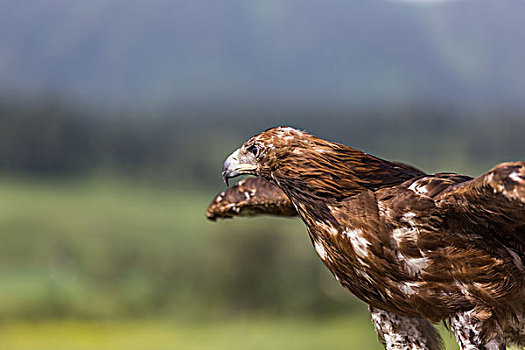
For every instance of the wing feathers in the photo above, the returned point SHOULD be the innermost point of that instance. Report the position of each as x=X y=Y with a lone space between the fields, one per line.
x=494 y=201
x=253 y=196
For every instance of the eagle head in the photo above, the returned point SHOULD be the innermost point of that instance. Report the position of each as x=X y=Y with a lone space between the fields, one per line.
x=263 y=154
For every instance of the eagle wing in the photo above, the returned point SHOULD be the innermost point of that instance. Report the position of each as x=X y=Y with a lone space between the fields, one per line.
x=453 y=239
x=494 y=204
x=250 y=197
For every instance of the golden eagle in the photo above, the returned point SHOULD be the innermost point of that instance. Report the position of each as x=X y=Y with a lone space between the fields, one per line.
x=417 y=248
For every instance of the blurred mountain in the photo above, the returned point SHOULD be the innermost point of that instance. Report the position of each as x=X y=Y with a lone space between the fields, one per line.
x=134 y=52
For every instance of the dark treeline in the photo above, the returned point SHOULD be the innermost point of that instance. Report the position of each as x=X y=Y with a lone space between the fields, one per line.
x=46 y=138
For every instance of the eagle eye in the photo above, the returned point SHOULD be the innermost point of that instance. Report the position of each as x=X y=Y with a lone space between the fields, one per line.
x=253 y=149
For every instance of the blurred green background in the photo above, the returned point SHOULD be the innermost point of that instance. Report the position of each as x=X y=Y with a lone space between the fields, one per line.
x=116 y=116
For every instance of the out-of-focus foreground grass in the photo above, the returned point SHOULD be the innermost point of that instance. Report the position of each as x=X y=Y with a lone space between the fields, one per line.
x=349 y=333
x=105 y=264
x=249 y=334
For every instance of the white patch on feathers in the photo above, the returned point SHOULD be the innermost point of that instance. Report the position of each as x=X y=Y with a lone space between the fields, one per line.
x=417 y=188
x=328 y=228
x=359 y=242
x=515 y=177
x=403 y=233
x=407 y=288
x=319 y=248
x=413 y=265
x=409 y=218
x=515 y=193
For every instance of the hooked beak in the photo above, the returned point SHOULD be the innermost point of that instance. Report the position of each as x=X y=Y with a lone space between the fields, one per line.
x=234 y=166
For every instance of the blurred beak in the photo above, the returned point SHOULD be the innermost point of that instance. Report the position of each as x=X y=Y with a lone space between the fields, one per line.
x=234 y=166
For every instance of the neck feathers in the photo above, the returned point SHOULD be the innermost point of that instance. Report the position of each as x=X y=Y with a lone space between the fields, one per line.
x=330 y=172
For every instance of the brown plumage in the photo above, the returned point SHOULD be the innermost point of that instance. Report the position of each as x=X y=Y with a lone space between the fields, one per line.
x=413 y=246
x=250 y=197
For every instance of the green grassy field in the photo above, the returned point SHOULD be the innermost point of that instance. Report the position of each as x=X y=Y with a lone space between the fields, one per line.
x=352 y=333
x=113 y=249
